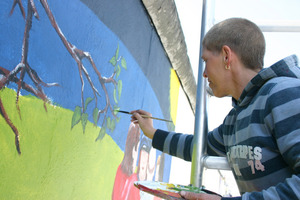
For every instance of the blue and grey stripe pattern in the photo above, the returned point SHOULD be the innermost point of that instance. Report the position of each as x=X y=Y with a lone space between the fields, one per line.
x=175 y=144
x=260 y=136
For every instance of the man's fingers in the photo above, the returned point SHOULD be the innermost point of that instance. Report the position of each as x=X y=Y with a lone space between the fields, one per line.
x=136 y=117
x=185 y=195
x=190 y=195
x=199 y=196
x=141 y=112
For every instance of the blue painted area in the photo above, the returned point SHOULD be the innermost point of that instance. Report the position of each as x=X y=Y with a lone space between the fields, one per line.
x=49 y=58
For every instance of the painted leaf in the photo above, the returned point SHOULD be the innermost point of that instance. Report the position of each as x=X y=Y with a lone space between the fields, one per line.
x=84 y=119
x=87 y=101
x=113 y=61
x=95 y=115
x=117 y=53
x=116 y=109
x=76 y=116
x=112 y=125
x=115 y=95
x=120 y=83
x=108 y=123
x=101 y=134
x=118 y=71
x=123 y=63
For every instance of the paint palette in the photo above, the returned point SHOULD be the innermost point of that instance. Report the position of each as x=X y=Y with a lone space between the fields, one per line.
x=165 y=190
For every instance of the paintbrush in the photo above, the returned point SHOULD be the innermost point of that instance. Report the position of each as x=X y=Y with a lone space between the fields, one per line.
x=144 y=116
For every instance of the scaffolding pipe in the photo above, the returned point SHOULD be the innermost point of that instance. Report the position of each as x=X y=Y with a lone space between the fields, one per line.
x=200 y=128
x=291 y=29
x=215 y=162
x=280 y=26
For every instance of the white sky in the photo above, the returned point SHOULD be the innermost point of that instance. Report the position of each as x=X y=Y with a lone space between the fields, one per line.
x=278 y=46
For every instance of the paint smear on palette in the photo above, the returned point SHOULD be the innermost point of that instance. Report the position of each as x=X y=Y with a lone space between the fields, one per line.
x=165 y=190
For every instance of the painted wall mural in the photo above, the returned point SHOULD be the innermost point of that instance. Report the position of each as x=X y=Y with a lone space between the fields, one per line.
x=66 y=67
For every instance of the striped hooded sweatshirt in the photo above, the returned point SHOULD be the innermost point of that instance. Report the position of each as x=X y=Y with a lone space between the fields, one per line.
x=260 y=136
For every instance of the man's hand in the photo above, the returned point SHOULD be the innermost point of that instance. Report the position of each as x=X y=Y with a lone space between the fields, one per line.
x=146 y=124
x=199 y=196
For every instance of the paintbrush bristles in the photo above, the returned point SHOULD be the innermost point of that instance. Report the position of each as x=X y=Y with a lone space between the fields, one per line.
x=122 y=111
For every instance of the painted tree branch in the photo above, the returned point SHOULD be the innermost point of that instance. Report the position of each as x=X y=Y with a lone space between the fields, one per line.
x=8 y=121
x=78 y=55
x=24 y=68
x=19 y=2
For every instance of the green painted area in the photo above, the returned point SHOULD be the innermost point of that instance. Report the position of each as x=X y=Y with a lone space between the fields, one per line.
x=56 y=162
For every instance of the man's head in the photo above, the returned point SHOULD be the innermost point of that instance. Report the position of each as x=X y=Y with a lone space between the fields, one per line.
x=242 y=36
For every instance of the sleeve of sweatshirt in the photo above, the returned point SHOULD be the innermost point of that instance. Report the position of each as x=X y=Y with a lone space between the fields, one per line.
x=175 y=144
x=181 y=145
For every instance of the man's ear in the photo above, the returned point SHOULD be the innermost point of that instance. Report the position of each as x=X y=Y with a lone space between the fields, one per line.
x=227 y=53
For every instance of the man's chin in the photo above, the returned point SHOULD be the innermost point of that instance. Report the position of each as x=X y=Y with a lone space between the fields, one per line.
x=209 y=91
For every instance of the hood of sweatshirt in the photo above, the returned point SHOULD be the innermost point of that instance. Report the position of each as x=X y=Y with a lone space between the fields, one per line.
x=287 y=67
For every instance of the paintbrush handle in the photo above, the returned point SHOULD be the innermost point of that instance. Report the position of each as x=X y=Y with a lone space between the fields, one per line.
x=144 y=116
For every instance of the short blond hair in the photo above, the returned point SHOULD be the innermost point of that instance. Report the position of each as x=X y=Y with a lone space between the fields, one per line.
x=242 y=36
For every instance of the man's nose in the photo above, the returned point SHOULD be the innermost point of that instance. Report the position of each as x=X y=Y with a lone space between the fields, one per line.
x=204 y=73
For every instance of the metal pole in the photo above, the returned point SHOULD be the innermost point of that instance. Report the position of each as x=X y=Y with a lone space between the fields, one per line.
x=200 y=115
x=215 y=162
x=266 y=28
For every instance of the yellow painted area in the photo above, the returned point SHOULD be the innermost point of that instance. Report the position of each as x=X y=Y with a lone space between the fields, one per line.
x=174 y=93
x=57 y=162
